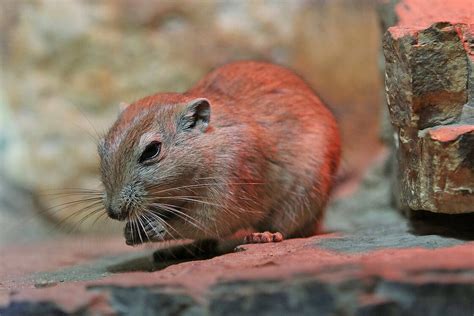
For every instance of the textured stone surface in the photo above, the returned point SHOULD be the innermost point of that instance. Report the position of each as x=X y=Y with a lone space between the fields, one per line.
x=386 y=269
x=428 y=84
x=427 y=75
x=66 y=65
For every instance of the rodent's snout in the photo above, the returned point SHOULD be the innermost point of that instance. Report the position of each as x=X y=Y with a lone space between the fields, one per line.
x=116 y=213
x=120 y=205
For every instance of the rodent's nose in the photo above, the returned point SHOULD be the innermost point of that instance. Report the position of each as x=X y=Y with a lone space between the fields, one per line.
x=115 y=214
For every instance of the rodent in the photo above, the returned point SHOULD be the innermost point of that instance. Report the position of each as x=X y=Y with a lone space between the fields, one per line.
x=249 y=146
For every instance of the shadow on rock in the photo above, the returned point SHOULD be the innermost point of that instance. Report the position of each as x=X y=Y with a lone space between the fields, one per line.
x=144 y=263
x=459 y=226
x=394 y=236
x=166 y=257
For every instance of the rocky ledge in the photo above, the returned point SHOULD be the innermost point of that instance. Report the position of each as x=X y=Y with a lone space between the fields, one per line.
x=389 y=269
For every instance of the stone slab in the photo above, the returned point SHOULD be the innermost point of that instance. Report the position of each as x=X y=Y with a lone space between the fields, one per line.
x=385 y=269
x=429 y=84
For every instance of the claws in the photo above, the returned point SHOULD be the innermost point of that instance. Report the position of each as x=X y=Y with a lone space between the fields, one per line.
x=136 y=235
x=265 y=237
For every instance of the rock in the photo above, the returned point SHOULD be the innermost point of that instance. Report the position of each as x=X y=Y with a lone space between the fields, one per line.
x=33 y=309
x=369 y=204
x=151 y=301
x=428 y=82
x=427 y=75
x=376 y=269
x=446 y=170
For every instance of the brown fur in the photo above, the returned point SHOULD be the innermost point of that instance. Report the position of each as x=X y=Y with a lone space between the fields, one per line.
x=266 y=160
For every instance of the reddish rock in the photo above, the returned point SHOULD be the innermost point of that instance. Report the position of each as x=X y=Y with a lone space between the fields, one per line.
x=372 y=269
x=449 y=133
x=429 y=95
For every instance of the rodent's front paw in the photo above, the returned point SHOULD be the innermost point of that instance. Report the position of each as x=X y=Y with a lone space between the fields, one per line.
x=129 y=234
x=136 y=233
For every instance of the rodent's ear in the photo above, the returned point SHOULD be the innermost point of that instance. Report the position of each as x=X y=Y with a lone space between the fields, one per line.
x=123 y=106
x=197 y=114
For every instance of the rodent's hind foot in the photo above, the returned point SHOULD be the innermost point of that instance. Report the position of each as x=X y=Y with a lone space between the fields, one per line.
x=265 y=237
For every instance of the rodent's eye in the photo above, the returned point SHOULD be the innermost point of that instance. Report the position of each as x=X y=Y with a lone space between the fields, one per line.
x=151 y=151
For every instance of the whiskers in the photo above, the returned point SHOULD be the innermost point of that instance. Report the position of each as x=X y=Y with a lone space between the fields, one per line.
x=72 y=207
x=204 y=208
x=205 y=193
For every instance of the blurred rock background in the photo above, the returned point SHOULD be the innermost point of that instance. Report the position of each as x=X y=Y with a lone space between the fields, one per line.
x=66 y=65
